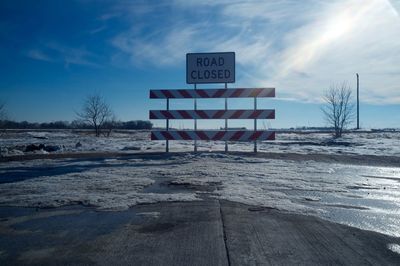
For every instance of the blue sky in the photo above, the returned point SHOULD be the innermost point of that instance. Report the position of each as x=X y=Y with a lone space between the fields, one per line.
x=54 y=53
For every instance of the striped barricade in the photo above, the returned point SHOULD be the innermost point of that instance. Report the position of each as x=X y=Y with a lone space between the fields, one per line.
x=213 y=93
x=223 y=135
x=212 y=114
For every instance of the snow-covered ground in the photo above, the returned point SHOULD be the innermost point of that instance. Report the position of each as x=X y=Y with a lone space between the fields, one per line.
x=15 y=142
x=361 y=143
x=362 y=196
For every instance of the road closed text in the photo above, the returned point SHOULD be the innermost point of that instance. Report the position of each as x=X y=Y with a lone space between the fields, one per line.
x=207 y=74
x=210 y=68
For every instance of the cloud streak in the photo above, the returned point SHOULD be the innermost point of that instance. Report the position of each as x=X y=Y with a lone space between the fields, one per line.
x=57 y=53
x=301 y=48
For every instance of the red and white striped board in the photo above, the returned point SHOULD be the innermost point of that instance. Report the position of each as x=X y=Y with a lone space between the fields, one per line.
x=213 y=93
x=212 y=114
x=230 y=135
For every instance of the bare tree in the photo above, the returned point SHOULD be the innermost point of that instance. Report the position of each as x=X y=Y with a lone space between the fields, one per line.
x=109 y=125
x=2 y=122
x=96 y=112
x=338 y=109
x=2 y=111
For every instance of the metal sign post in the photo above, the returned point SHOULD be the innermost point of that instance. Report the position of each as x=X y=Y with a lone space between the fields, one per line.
x=167 y=141
x=226 y=120
x=195 y=121
x=358 y=101
x=255 y=124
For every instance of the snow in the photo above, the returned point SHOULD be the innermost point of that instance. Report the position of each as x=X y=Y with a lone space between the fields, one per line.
x=367 y=197
x=110 y=186
x=394 y=247
x=362 y=143
x=66 y=139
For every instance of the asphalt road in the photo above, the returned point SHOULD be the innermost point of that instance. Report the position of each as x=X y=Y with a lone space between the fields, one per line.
x=210 y=232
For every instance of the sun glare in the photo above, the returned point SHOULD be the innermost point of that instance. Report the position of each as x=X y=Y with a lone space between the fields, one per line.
x=337 y=27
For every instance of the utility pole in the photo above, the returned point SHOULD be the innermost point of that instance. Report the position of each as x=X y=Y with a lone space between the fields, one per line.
x=358 y=102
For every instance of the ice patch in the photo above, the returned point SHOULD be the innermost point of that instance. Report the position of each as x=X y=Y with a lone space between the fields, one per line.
x=394 y=247
x=42 y=135
x=312 y=198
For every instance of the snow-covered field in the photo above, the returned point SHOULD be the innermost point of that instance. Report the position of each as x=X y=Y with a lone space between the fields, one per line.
x=363 y=196
x=362 y=143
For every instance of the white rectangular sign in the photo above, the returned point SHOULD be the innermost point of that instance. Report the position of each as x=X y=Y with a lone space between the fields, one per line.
x=210 y=67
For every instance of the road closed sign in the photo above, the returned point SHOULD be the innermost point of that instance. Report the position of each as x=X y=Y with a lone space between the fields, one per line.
x=210 y=67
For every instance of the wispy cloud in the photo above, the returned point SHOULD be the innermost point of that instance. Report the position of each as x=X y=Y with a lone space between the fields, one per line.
x=98 y=29
x=38 y=55
x=164 y=51
x=57 y=53
x=301 y=47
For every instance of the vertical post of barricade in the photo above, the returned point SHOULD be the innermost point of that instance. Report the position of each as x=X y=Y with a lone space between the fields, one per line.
x=255 y=124
x=226 y=120
x=195 y=120
x=167 y=141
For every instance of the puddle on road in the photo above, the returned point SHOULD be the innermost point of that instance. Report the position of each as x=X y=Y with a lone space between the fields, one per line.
x=29 y=234
x=32 y=229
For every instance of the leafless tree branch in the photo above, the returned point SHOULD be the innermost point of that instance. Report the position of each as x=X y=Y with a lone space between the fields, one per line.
x=2 y=118
x=96 y=112
x=338 y=109
x=2 y=111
